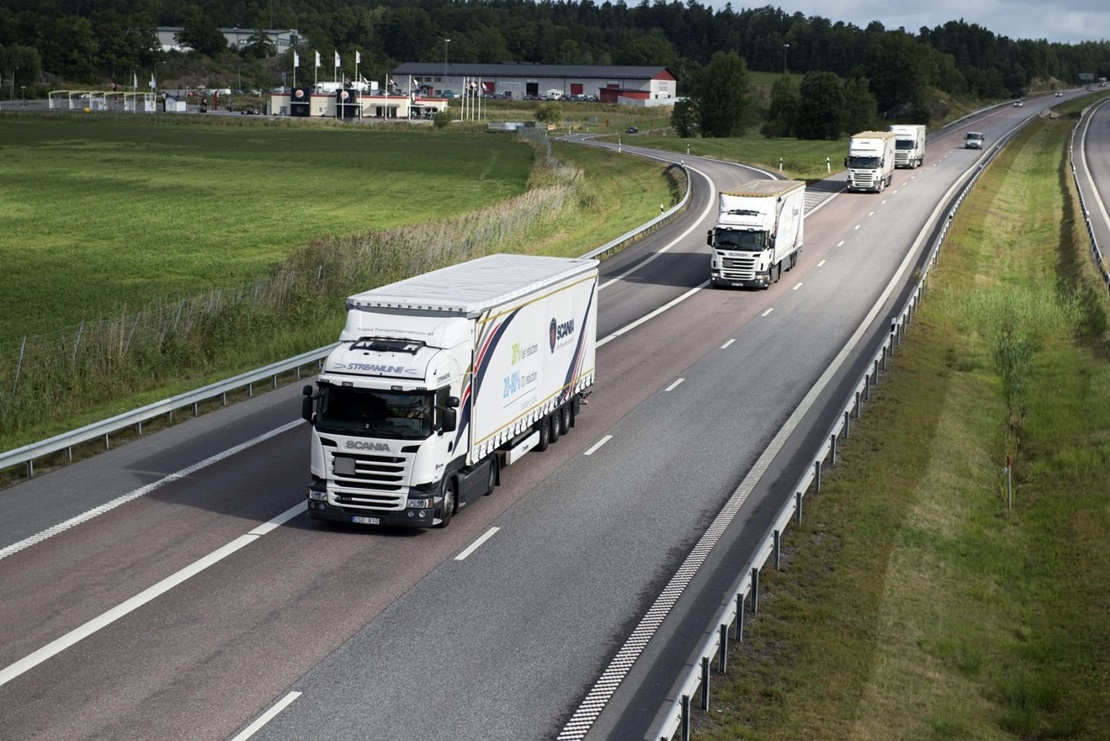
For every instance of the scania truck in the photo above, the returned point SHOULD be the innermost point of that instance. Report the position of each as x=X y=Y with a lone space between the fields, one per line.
x=758 y=231
x=441 y=379
x=870 y=161
x=909 y=145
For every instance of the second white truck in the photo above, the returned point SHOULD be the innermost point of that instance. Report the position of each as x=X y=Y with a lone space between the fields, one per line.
x=870 y=160
x=909 y=145
x=440 y=380
x=759 y=230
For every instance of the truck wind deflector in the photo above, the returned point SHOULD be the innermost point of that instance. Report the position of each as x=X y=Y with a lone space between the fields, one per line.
x=374 y=344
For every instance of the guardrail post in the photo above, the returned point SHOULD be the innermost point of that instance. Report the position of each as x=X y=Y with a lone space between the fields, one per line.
x=847 y=424
x=274 y=384
x=817 y=477
x=857 y=405
x=832 y=449
x=867 y=387
x=685 y=718
x=875 y=373
x=755 y=590
x=30 y=469
x=250 y=390
x=139 y=428
x=798 y=508
x=722 y=654
x=196 y=408
x=705 y=683
x=884 y=356
x=107 y=442
x=740 y=617
x=223 y=399
x=778 y=550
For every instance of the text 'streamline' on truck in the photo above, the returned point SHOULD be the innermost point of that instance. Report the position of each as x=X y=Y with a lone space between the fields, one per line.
x=441 y=379
x=870 y=160
x=759 y=229
x=909 y=145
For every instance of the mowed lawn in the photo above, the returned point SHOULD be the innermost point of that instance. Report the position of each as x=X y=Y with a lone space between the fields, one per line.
x=102 y=217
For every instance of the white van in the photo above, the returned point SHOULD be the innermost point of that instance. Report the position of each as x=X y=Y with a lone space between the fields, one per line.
x=973 y=140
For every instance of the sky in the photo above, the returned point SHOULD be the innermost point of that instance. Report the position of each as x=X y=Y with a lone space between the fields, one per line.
x=1063 y=21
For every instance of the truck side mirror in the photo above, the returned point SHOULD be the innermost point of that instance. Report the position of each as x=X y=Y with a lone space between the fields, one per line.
x=449 y=418
x=845 y=161
x=306 y=404
x=709 y=238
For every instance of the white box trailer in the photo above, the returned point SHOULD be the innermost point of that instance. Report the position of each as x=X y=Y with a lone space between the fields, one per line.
x=441 y=379
x=870 y=160
x=909 y=145
x=759 y=229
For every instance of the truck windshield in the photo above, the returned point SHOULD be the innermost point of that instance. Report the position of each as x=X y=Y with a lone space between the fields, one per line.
x=737 y=239
x=388 y=414
x=903 y=144
x=863 y=163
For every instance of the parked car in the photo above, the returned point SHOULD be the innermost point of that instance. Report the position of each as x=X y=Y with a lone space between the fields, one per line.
x=632 y=130
x=249 y=111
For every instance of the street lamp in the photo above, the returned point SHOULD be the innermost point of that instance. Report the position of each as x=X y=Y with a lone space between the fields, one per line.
x=445 y=43
x=784 y=67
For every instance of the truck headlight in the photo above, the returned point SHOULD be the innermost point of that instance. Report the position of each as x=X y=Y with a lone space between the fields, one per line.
x=317 y=495
x=421 y=503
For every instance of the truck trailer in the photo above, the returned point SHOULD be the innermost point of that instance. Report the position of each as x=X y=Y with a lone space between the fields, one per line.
x=441 y=379
x=870 y=161
x=759 y=228
x=909 y=145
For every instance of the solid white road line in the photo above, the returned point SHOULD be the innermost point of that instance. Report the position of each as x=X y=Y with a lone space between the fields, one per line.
x=124 y=499
x=78 y=634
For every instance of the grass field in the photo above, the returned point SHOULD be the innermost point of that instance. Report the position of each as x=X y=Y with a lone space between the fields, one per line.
x=913 y=603
x=267 y=280
x=102 y=217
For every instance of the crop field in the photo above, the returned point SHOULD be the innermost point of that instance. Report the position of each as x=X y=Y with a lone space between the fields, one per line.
x=107 y=216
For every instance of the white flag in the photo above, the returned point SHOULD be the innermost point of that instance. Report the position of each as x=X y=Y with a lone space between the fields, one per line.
x=296 y=59
x=153 y=84
x=317 y=59
x=337 y=59
x=358 y=57
x=135 y=80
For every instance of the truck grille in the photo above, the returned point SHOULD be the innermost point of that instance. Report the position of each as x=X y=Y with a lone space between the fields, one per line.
x=738 y=268
x=376 y=481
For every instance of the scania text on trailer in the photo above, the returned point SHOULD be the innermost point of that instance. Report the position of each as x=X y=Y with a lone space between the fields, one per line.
x=441 y=379
x=870 y=160
x=759 y=229
x=909 y=145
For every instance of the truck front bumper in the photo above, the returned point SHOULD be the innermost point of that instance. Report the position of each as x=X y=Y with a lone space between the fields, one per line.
x=319 y=508
x=761 y=280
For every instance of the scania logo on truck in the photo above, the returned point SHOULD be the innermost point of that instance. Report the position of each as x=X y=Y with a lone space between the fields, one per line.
x=559 y=331
x=363 y=445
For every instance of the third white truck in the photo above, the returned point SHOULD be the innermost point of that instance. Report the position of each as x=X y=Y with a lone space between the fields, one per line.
x=440 y=380
x=759 y=231
x=909 y=145
x=870 y=160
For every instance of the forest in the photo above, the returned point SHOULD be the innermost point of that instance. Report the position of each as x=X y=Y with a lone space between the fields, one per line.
x=47 y=43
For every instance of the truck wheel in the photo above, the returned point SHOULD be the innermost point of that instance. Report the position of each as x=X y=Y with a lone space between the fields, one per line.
x=554 y=419
x=494 y=467
x=450 y=501
x=545 y=434
x=564 y=419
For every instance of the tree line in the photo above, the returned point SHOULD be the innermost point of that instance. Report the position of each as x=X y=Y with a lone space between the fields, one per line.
x=80 y=41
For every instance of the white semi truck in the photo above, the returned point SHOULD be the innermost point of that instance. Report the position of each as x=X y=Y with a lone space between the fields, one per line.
x=909 y=145
x=759 y=229
x=870 y=160
x=440 y=380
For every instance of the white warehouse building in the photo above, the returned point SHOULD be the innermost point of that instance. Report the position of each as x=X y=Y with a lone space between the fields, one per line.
x=642 y=86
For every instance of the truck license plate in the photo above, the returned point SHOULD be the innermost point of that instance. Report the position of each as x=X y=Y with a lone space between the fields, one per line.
x=360 y=520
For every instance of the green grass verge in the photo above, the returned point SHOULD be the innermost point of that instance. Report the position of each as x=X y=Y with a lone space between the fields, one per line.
x=913 y=603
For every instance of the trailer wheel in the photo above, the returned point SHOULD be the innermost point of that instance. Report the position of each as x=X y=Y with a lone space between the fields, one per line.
x=564 y=419
x=545 y=434
x=450 y=501
x=554 y=419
